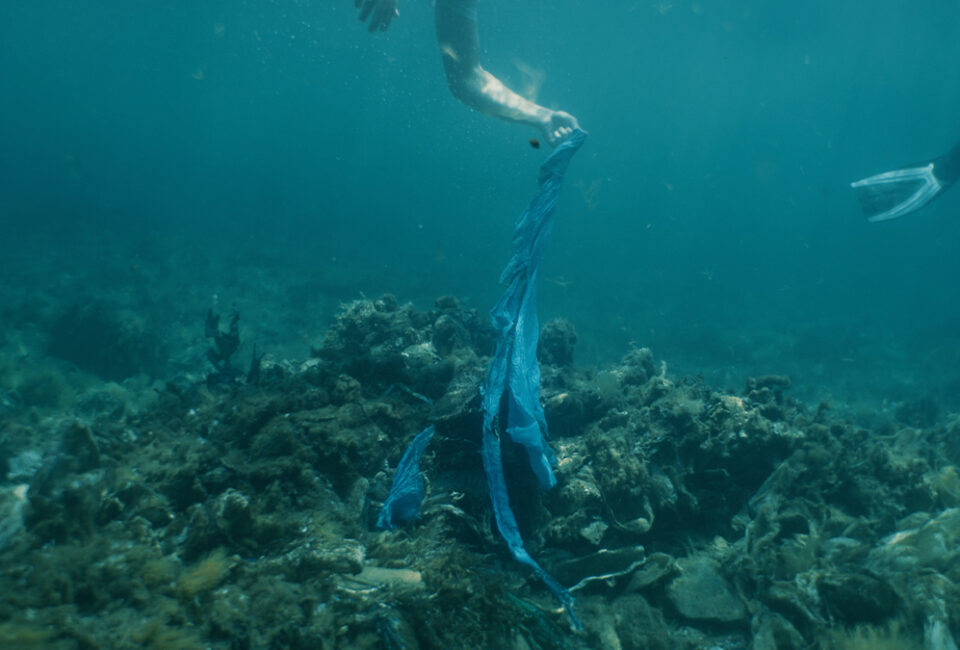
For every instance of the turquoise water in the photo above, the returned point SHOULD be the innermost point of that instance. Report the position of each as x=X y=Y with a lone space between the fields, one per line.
x=278 y=156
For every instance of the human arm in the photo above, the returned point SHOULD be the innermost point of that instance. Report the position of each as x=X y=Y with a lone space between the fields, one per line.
x=480 y=90
x=457 y=35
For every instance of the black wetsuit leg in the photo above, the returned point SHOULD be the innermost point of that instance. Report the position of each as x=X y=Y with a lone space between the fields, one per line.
x=947 y=168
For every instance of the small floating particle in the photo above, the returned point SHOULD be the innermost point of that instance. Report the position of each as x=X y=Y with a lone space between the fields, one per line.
x=534 y=143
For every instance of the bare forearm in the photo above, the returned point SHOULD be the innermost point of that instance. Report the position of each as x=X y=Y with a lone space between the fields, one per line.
x=477 y=88
x=482 y=91
x=460 y=46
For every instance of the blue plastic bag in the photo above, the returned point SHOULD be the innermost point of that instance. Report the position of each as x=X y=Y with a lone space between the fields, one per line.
x=513 y=378
x=512 y=381
x=406 y=491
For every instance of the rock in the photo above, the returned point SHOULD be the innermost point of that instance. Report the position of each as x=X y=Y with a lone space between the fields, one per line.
x=640 y=626
x=460 y=403
x=379 y=576
x=449 y=334
x=233 y=514
x=774 y=632
x=80 y=447
x=12 y=501
x=637 y=367
x=557 y=340
x=302 y=562
x=23 y=466
x=922 y=542
x=858 y=598
x=346 y=390
x=566 y=413
x=603 y=565
x=580 y=493
x=701 y=593
x=653 y=569
x=594 y=532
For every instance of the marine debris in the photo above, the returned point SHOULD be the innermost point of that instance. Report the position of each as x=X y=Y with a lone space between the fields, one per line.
x=406 y=492
x=511 y=389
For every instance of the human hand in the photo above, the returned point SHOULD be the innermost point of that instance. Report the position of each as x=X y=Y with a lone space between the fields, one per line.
x=558 y=126
x=380 y=13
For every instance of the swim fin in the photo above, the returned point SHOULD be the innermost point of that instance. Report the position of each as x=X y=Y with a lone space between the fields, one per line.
x=895 y=193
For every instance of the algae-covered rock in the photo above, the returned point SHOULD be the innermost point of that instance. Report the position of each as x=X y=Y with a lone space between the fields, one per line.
x=12 y=502
x=381 y=343
x=857 y=598
x=701 y=593
x=639 y=625
x=604 y=565
x=773 y=632
x=557 y=340
x=346 y=556
x=233 y=513
x=637 y=367
x=654 y=569
x=243 y=516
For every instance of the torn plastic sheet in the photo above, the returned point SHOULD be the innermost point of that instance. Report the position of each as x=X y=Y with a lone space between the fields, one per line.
x=513 y=377
x=512 y=381
x=406 y=491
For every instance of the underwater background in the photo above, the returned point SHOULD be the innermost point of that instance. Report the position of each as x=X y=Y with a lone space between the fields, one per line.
x=774 y=378
x=276 y=154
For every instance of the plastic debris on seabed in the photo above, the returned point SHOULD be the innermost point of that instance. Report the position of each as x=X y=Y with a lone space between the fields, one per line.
x=513 y=377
